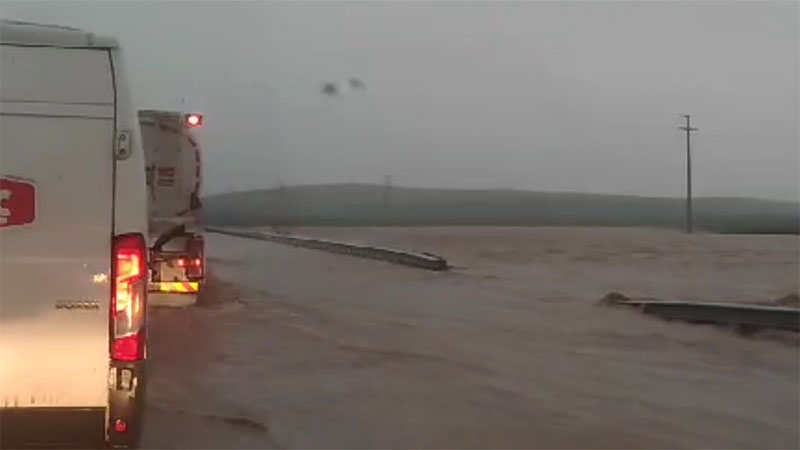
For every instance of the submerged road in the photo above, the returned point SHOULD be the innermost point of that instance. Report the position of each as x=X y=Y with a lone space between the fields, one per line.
x=295 y=348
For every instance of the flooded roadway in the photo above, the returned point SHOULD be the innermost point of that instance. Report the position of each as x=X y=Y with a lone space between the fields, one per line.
x=295 y=348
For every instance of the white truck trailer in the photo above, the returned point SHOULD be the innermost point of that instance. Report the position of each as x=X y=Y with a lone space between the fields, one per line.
x=172 y=163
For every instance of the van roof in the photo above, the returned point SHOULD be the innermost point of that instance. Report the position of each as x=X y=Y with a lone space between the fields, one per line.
x=28 y=33
x=158 y=113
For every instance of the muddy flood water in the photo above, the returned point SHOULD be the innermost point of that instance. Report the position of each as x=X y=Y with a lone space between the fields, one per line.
x=296 y=348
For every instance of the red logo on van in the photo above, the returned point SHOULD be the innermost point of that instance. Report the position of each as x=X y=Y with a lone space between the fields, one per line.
x=17 y=202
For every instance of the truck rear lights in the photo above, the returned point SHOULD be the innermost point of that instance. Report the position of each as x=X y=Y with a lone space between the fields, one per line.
x=193 y=120
x=128 y=301
x=195 y=269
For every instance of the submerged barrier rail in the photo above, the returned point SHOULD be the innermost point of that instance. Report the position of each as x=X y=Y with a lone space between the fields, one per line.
x=421 y=260
x=741 y=315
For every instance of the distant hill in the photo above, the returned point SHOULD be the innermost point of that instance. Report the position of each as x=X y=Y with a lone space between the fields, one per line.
x=371 y=205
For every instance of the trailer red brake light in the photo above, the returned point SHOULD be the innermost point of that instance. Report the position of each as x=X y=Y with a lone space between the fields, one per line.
x=194 y=269
x=180 y=262
x=193 y=120
x=128 y=298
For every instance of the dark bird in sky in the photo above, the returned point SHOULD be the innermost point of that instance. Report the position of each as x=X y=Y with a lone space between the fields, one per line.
x=330 y=89
x=356 y=83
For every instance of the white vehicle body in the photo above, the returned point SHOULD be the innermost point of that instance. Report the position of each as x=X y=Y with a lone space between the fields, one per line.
x=173 y=165
x=73 y=182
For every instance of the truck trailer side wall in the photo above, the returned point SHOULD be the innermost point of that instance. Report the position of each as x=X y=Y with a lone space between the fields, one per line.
x=173 y=168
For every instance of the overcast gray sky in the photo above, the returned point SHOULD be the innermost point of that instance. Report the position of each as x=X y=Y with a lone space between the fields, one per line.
x=556 y=96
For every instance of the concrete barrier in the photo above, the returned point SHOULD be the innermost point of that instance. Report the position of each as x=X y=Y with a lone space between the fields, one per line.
x=741 y=315
x=421 y=260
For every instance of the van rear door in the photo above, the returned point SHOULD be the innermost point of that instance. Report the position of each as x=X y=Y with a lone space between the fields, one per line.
x=57 y=122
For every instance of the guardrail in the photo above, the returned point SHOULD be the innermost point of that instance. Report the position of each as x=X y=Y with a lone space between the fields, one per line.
x=743 y=316
x=421 y=260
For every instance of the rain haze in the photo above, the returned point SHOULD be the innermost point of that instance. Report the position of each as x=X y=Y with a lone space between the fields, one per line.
x=548 y=96
x=443 y=224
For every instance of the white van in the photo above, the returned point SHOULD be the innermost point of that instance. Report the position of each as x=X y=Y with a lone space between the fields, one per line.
x=73 y=259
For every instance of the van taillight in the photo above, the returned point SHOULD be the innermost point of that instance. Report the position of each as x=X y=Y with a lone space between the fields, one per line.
x=129 y=298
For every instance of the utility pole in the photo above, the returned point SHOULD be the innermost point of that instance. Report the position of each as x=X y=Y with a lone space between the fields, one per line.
x=387 y=188
x=688 y=129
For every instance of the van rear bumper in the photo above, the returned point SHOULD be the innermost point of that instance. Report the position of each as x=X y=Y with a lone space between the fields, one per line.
x=75 y=427
x=52 y=427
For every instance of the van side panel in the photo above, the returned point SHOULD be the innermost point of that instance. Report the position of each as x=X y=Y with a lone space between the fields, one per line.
x=57 y=110
x=130 y=215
